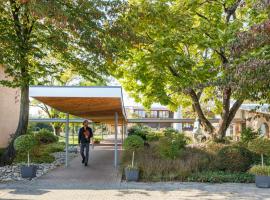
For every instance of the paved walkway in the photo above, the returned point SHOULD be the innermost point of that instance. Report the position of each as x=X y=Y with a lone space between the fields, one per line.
x=132 y=191
x=100 y=169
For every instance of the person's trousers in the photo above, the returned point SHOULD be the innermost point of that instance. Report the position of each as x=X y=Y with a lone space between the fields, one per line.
x=85 y=149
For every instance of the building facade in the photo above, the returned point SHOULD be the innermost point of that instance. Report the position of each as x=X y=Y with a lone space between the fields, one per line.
x=9 y=111
x=252 y=116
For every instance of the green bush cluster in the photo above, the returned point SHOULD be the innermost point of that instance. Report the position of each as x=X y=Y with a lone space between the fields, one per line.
x=139 y=130
x=234 y=158
x=44 y=136
x=221 y=177
x=133 y=143
x=40 y=146
x=41 y=153
x=172 y=145
x=154 y=136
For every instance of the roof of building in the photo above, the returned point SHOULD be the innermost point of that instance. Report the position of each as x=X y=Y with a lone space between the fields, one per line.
x=98 y=104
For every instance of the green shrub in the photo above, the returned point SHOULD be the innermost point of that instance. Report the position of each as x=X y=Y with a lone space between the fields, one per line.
x=154 y=136
x=221 y=177
x=25 y=143
x=139 y=130
x=234 y=159
x=170 y=132
x=44 y=136
x=133 y=143
x=260 y=146
x=171 y=147
x=248 y=134
x=260 y=170
x=53 y=147
x=41 y=153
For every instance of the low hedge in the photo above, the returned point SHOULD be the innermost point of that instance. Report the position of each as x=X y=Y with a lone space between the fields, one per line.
x=221 y=177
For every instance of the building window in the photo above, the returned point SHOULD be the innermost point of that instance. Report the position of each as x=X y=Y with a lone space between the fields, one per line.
x=153 y=114
x=140 y=113
x=163 y=114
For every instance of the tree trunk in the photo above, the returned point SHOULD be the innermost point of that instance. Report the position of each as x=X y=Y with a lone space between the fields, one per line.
x=57 y=130
x=227 y=118
x=204 y=121
x=9 y=153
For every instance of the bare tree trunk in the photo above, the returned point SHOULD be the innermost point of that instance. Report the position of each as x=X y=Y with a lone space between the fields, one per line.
x=197 y=106
x=57 y=130
x=227 y=119
x=9 y=153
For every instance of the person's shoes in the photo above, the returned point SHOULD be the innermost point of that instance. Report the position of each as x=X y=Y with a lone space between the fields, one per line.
x=85 y=164
x=83 y=160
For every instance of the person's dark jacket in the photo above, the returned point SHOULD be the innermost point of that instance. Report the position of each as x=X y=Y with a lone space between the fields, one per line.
x=81 y=138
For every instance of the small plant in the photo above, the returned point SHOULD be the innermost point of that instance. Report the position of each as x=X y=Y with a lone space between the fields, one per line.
x=133 y=143
x=248 y=134
x=25 y=143
x=260 y=170
x=260 y=146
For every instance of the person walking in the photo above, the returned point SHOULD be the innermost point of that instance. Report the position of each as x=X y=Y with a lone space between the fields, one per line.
x=85 y=135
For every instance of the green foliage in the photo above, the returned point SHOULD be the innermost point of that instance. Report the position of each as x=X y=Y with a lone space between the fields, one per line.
x=234 y=158
x=178 y=52
x=130 y=167
x=154 y=136
x=39 y=43
x=171 y=147
x=41 y=153
x=133 y=143
x=221 y=177
x=260 y=146
x=25 y=143
x=260 y=170
x=248 y=134
x=139 y=130
x=44 y=136
x=223 y=140
x=37 y=126
x=169 y=132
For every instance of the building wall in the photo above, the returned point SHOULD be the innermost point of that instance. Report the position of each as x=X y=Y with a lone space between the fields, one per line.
x=254 y=120
x=9 y=111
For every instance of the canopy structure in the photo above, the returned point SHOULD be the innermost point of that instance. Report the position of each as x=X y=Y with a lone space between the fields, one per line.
x=98 y=104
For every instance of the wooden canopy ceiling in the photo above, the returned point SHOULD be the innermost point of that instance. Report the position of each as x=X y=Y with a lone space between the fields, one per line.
x=98 y=104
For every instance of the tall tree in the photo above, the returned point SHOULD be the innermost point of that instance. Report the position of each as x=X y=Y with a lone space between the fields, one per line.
x=40 y=38
x=178 y=51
